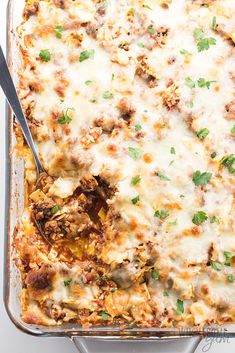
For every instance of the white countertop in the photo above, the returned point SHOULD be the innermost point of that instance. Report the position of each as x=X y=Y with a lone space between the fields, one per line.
x=12 y=340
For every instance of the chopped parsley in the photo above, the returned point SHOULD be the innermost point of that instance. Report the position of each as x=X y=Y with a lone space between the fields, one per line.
x=198 y=33
x=67 y=282
x=228 y=161
x=201 y=134
x=173 y=223
x=87 y=54
x=135 y=200
x=147 y=7
x=189 y=82
x=179 y=307
x=151 y=30
x=58 y=31
x=135 y=180
x=201 y=178
x=155 y=274
x=166 y=293
x=161 y=214
x=113 y=76
x=228 y=257
x=141 y=45
x=173 y=150
x=185 y=52
x=203 y=83
x=163 y=176
x=231 y=278
x=199 y=218
x=65 y=118
x=45 y=55
x=217 y=265
x=113 y=290
x=213 y=154
x=205 y=44
x=233 y=130
x=104 y=315
x=214 y=24
x=202 y=42
x=108 y=95
x=56 y=208
x=134 y=153
x=88 y=82
x=138 y=127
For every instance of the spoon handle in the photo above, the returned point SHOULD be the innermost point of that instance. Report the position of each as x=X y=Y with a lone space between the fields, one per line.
x=9 y=90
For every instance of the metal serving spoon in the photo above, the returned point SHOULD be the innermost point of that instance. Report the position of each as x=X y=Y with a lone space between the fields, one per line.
x=9 y=90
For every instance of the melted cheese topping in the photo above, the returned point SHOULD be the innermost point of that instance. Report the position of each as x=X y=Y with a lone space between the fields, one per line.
x=145 y=90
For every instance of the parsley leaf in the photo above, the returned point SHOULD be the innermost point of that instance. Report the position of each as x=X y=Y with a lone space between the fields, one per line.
x=166 y=294
x=135 y=200
x=155 y=274
x=135 y=180
x=56 y=208
x=201 y=178
x=201 y=134
x=45 y=55
x=228 y=161
x=199 y=218
x=173 y=150
x=213 y=154
x=104 y=315
x=233 y=129
x=108 y=95
x=189 y=82
x=88 y=82
x=162 y=176
x=231 y=278
x=65 y=118
x=228 y=257
x=205 y=44
x=134 y=153
x=147 y=7
x=86 y=54
x=217 y=265
x=161 y=214
x=179 y=307
x=214 y=24
x=58 y=31
x=185 y=52
x=138 y=127
x=151 y=30
x=67 y=282
x=203 y=83
x=173 y=223
x=214 y=219
x=198 y=33
x=141 y=45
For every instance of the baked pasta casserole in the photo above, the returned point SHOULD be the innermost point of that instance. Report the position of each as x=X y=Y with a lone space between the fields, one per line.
x=131 y=105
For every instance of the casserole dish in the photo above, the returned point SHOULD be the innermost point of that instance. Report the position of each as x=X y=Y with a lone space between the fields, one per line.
x=15 y=205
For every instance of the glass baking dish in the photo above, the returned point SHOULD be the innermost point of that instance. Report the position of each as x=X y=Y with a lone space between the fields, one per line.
x=97 y=339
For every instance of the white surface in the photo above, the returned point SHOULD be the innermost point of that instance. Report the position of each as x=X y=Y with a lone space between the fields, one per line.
x=12 y=340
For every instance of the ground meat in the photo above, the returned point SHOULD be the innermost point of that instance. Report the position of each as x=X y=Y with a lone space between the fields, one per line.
x=89 y=184
x=68 y=225
x=230 y=110
x=144 y=71
x=40 y=280
x=42 y=210
x=31 y=10
x=59 y=3
x=170 y=97
x=159 y=36
x=126 y=108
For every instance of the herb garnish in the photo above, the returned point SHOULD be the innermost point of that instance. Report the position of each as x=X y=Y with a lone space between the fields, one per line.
x=199 y=218
x=45 y=55
x=67 y=282
x=202 y=42
x=201 y=178
x=217 y=265
x=201 y=134
x=134 y=153
x=228 y=257
x=135 y=180
x=87 y=54
x=155 y=273
x=65 y=118
x=179 y=307
x=58 y=31
x=108 y=95
x=161 y=214
x=135 y=200
x=228 y=161
x=56 y=208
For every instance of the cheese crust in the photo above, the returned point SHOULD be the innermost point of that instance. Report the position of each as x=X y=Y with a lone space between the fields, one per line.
x=131 y=105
